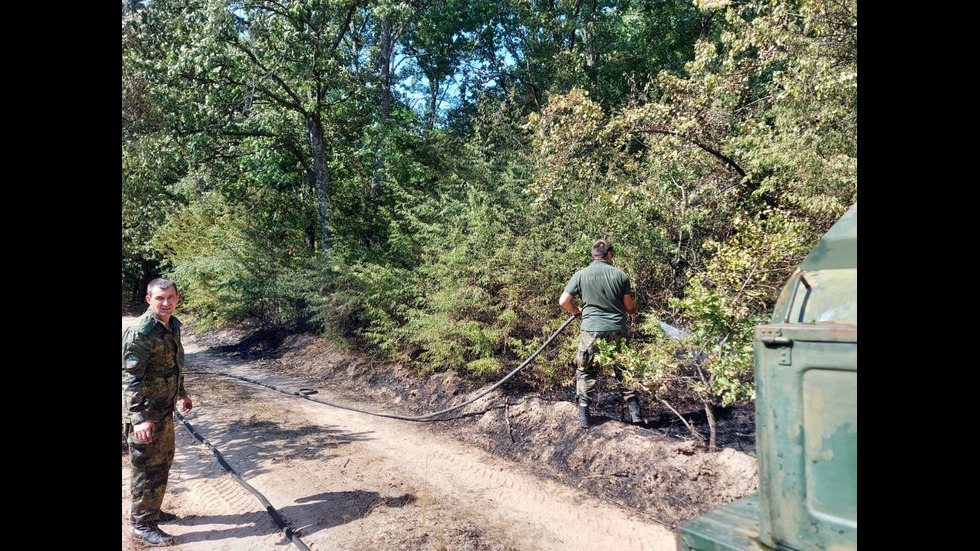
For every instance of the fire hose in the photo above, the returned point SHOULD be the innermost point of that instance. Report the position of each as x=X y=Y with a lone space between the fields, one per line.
x=306 y=392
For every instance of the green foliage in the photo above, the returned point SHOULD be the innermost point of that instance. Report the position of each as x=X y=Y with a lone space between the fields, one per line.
x=801 y=135
x=462 y=318
x=149 y=167
x=722 y=304
x=606 y=351
x=610 y=355
x=701 y=188
x=637 y=40
x=367 y=302
x=233 y=262
x=661 y=367
x=712 y=142
x=566 y=148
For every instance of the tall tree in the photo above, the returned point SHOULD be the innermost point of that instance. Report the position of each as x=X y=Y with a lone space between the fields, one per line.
x=437 y=41
x=151 y=159
x=242 y=69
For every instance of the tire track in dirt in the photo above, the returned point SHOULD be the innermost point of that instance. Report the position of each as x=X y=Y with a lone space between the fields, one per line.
x=217 y=509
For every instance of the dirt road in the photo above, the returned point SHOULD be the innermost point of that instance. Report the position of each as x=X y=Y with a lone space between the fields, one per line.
x=343 y=480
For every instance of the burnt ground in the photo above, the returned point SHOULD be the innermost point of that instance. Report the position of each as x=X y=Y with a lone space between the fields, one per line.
x=658 y=468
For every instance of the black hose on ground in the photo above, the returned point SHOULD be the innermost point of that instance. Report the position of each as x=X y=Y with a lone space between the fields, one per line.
x=305 y=393
x=276 y=517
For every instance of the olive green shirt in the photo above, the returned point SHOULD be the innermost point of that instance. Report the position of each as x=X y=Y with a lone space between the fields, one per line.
x=602 y=288
x=152 y=369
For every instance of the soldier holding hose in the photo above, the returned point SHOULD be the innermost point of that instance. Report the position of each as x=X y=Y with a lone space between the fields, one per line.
x=608 y=297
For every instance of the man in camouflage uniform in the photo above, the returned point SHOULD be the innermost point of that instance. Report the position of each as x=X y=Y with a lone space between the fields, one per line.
x=152 y=385
x=608 y=297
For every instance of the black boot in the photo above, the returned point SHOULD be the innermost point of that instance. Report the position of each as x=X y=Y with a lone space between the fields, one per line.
x=150 y=534
x=583 y=415
x=634 y=406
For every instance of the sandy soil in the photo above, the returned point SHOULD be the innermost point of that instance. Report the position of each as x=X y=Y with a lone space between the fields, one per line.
x=262 y=465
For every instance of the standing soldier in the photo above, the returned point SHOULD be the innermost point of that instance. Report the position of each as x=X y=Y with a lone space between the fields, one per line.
x=152 y=385
x=608 y=297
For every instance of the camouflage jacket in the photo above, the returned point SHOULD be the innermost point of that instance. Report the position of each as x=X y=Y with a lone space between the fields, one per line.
x=152 y=369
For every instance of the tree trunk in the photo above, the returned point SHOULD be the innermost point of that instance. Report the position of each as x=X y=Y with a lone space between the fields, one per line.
x=709 y=413
x=322 y=173
x=433 y=99
x=384 y=69
x=387 y=43
x=588 y=42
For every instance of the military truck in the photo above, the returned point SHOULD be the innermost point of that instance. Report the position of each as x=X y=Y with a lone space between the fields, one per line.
x=806 y=415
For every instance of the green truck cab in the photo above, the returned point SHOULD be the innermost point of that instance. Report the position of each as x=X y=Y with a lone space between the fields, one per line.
x=806 y=415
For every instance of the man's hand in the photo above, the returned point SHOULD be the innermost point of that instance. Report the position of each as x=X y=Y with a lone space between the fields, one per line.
x=565 y=301
x=144 y=431
x=184 y=405
x=630 y=304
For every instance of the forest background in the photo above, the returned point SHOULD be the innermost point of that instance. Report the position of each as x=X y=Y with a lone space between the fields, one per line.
x=418 y=179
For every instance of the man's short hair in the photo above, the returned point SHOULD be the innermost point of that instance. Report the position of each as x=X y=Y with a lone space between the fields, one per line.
x=601 y=249
x=161 y=283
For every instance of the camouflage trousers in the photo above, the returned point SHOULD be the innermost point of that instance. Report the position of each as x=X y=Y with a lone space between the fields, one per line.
x=149 y=466
x=587 y=371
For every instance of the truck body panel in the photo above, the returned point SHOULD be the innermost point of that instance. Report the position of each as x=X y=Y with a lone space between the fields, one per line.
x=807 y=401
